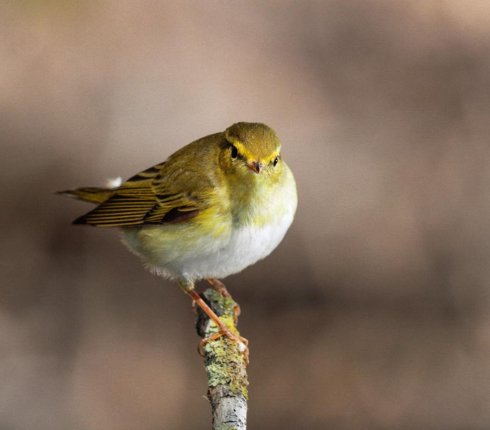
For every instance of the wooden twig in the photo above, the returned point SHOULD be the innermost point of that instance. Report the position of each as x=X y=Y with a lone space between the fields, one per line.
x=225 y=365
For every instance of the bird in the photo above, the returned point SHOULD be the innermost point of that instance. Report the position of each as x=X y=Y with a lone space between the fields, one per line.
x=213 y=208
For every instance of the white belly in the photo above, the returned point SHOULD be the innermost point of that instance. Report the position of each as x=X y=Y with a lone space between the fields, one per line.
x=183 y=254
x=245 y=247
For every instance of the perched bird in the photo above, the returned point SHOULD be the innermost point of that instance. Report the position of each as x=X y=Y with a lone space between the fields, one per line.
x=214 y=207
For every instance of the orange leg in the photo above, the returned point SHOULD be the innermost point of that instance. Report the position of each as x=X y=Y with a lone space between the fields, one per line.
x=223 y=328
x=221 y=289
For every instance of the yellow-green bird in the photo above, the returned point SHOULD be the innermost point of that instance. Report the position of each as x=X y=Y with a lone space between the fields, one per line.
x=213 y=208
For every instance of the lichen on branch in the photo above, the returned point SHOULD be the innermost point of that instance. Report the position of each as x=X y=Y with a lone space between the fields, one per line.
x=225 y=364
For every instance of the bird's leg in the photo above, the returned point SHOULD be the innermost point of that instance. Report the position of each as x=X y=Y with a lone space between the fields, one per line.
x=219 y=287
x=224 y=330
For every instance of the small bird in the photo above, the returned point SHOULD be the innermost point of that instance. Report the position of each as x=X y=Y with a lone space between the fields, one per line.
x=213 y=208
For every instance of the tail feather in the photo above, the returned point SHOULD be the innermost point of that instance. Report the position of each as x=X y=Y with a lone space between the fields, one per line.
x=89 y=194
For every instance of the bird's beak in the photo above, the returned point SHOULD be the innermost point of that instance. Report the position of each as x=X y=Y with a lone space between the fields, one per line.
x=255 y=166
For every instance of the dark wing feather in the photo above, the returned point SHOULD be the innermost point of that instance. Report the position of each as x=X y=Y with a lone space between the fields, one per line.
x=151 y=197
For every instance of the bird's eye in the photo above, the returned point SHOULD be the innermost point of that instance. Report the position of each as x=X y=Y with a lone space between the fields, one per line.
x=276 y=160
x=234 y=152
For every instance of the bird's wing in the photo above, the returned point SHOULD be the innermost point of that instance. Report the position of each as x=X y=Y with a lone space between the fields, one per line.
x=164 y=193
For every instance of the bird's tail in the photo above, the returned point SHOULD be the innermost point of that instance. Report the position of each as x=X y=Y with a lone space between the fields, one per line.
x=89 y=194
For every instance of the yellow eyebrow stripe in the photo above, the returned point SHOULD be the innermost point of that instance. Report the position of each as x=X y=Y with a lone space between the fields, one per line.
x=248 y=155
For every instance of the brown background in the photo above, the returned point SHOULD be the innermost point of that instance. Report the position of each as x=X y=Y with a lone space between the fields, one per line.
x=374 y=311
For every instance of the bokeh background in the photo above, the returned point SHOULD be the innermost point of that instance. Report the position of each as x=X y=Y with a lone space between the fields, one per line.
x=374 y=313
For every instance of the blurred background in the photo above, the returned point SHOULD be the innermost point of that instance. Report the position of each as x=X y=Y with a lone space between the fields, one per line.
x=374 y=313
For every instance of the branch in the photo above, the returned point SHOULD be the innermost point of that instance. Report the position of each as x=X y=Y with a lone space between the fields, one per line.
x=225 y=366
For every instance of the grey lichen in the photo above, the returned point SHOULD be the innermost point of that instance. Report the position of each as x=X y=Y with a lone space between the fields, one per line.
x=225 y=365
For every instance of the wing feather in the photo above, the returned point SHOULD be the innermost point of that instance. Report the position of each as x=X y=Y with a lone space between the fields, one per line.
x=151 y=197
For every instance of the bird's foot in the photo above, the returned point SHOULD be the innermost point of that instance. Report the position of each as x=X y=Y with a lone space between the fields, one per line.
x=241 y=342
x=223 y=329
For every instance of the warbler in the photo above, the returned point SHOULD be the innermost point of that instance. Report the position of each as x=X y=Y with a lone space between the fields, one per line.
x=213 y=208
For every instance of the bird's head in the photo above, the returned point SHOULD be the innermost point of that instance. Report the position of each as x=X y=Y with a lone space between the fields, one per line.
x=251 y=149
